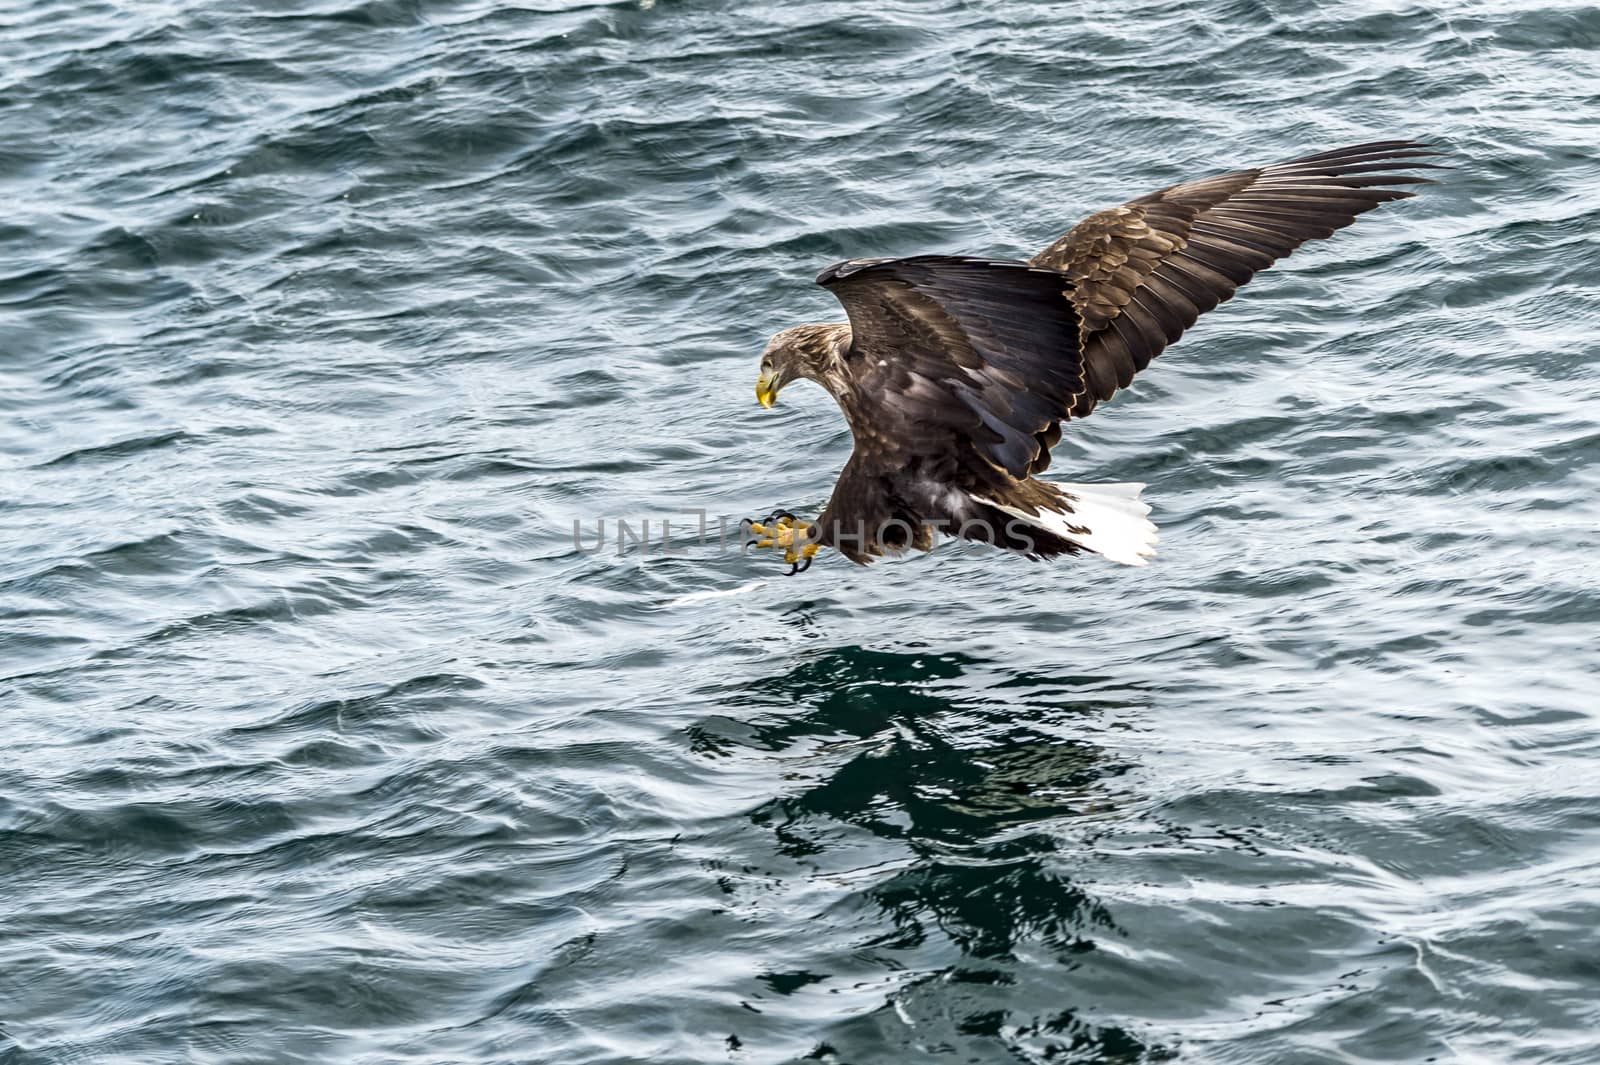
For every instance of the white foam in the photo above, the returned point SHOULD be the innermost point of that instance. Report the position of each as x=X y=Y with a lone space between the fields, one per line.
x=720 y=593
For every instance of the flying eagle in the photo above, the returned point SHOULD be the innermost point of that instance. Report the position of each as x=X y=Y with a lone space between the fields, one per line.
x=955 y=373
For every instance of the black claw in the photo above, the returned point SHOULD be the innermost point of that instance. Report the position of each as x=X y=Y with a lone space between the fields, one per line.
x=798 y=567
x=777 y=516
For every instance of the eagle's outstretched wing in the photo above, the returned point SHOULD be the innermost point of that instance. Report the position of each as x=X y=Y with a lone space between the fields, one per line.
x=956 y=363
x=1145 y=271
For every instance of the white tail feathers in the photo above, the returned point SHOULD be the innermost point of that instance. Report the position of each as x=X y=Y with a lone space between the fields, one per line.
x=1108 y=519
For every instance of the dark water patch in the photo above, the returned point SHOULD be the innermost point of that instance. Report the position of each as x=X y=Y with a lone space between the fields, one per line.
x=120 y=449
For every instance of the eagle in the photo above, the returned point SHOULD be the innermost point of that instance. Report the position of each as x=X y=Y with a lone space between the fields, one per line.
x=956 y=373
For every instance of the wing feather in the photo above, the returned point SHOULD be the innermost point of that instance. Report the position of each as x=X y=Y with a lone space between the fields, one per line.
x=986 y=349
x=1145 y=271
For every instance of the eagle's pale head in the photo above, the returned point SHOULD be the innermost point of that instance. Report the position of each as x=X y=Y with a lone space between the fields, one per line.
x=815 y=352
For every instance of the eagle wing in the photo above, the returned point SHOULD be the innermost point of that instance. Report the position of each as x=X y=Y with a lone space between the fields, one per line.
x=956 y=363
x=1143 y=272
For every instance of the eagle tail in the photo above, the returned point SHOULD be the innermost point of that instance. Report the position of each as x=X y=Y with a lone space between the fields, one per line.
x=1108 y=519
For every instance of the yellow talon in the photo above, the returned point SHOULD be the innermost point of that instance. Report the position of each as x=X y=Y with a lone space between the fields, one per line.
x=786 y=533
x=792 y=535
x=791 y=556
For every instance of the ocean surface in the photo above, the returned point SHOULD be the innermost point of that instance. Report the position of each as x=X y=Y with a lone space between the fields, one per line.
x=336 y=727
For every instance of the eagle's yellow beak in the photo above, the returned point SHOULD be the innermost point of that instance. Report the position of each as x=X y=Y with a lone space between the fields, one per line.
x=766 y=393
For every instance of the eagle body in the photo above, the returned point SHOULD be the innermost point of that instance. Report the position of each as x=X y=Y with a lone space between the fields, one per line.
x=956 y=374
x=902 y=489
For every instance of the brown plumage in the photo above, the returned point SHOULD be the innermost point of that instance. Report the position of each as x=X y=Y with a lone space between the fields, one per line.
x=955 y=374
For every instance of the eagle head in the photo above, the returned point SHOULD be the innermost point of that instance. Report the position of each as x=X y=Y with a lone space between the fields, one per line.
x=815 y=352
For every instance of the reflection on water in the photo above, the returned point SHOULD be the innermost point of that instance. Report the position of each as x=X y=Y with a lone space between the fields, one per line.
x=978 y=779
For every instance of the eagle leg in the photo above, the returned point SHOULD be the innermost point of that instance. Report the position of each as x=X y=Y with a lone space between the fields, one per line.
x=782 y=529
